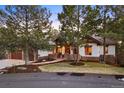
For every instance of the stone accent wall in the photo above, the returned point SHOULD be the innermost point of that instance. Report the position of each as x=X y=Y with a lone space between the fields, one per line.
x=110 y=59
x=92 y=59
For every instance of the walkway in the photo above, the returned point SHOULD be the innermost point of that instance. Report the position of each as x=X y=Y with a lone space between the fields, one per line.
x=13 y=62
x=49 y=62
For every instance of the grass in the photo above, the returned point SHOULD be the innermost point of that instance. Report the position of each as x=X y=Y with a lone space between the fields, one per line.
x=88 y=67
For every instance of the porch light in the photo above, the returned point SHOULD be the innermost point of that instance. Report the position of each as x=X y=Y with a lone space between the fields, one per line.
x=58 y=46
x=119 y=42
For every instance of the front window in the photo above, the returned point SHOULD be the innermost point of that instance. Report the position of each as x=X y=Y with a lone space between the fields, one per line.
x=88 y=50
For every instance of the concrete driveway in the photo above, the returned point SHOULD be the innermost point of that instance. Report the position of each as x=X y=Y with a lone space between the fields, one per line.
x=10 y=62
x=55 y=80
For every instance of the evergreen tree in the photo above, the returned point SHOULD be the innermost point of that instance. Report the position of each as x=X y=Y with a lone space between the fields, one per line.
x=74 y=26
x=27 y=26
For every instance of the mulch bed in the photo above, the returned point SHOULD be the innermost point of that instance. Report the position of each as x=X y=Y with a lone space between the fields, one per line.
x=22 y=69
x=77 y=64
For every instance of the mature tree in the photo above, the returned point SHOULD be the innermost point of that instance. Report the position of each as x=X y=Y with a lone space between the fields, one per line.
x=28 y=27
x=75 y=25
x=108 y=23
x=117 y=29
x=69 y=19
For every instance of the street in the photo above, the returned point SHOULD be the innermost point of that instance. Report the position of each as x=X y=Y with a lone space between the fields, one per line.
x=54 y=80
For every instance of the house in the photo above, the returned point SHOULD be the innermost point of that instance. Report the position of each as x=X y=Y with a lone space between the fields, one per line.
x=90 y=51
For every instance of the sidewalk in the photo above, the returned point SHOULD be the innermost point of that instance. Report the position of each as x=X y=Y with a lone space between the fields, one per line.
x=10 y=62
x=48 y=62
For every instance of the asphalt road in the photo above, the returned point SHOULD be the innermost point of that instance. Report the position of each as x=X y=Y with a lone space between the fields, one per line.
x=53 y=80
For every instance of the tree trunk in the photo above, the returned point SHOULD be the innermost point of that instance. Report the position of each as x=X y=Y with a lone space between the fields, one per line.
x=104 y=49
x=77 y=55
x=104 y=39
x=26 y=51
x=74 y=54
x=26 y=54
x=78 y=27
x=35 y=54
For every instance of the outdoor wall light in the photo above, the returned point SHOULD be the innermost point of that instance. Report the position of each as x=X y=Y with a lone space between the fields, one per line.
x=119 y=42
x=58 y=46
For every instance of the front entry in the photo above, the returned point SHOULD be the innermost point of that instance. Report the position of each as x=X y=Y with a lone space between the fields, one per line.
x=67 y=49
x=62 y=50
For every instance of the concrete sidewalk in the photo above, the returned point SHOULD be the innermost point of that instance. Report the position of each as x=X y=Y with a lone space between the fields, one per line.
x=13 y=62
x=10 y=62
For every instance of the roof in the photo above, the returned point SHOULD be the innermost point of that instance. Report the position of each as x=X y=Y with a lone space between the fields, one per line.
x=100 y=40
x=97 y=39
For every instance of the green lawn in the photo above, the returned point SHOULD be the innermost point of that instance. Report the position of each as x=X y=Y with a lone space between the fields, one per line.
x=88 y=67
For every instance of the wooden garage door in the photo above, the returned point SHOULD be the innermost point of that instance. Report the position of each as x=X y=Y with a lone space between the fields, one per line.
x=16 y=55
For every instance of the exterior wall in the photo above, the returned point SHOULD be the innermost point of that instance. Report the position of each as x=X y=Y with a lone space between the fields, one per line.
x=111 y=50
x=97 y=50
x=81 y=51
x=42 y=53
x=100 y=50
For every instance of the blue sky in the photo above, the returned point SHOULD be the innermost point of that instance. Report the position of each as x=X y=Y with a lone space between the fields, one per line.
x=55 y=9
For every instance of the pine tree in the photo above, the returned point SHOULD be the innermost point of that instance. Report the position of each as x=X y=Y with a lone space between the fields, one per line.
x=73 y=26
x=28 y=25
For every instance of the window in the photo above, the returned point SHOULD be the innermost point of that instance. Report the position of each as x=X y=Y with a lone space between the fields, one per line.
x=88 y=50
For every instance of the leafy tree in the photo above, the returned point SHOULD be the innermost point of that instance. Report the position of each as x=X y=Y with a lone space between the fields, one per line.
x=27 y=26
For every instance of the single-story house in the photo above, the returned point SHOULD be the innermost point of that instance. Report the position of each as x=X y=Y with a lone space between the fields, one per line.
x=90 y=51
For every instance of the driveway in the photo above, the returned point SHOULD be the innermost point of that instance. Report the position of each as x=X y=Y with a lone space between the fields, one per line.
x=10 y=62
x=54 y=80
